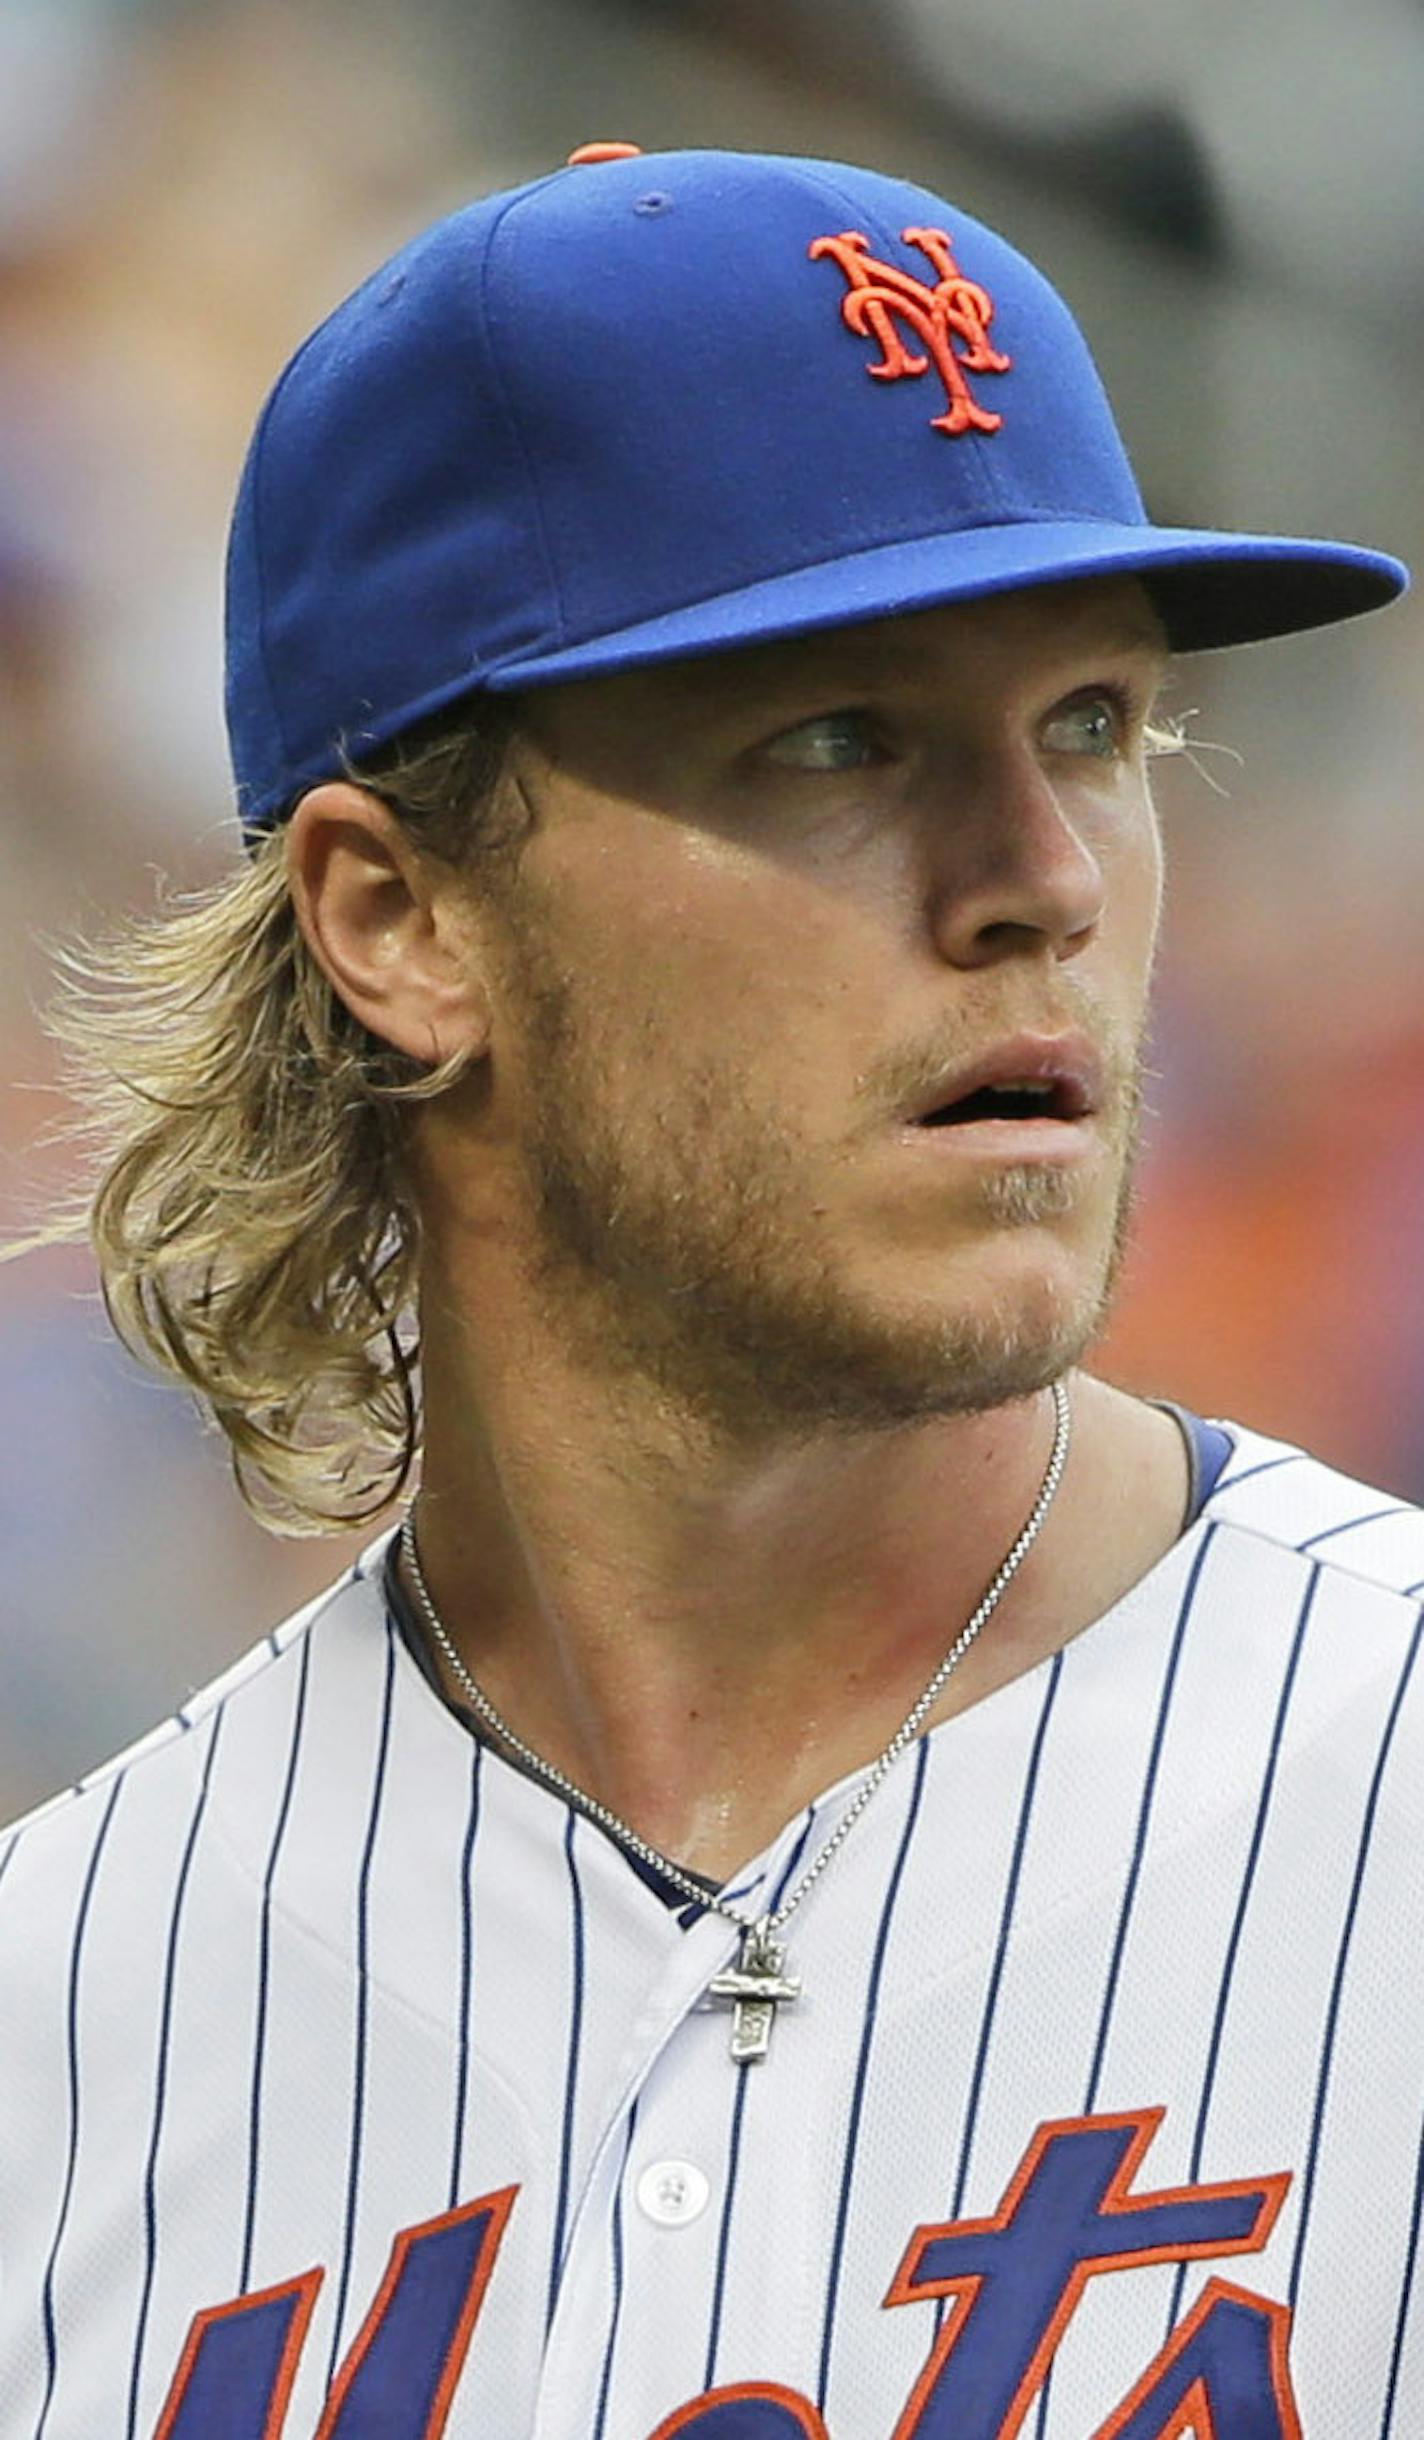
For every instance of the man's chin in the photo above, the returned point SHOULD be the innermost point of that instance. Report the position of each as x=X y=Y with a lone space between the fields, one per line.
x=1014 y=1316
x=975 y=1360
x=853 y=1369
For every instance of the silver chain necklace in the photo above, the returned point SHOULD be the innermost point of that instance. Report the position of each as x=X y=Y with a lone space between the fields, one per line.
x=758 y=1984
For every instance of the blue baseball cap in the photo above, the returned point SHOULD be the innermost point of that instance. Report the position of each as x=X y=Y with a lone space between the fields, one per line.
x=672 y=403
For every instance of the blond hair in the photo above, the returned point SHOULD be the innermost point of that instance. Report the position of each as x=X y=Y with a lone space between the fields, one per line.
x=246 y=1182
x=246 y=1179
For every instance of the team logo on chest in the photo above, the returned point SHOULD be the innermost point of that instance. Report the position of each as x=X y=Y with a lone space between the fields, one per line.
x=1011 y=2282
x=879 y=295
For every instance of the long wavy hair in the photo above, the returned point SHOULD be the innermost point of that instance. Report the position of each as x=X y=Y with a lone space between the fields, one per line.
x=244 y=1172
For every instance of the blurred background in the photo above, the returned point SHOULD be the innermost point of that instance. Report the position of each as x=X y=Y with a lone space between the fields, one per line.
x=1232 y=200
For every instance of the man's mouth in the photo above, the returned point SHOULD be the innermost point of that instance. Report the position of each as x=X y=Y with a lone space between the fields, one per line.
x=1002 y=1102
x=1025 y=1076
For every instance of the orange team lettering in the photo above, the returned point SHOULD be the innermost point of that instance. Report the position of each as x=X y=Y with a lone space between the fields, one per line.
x=1012 y=2279
x=955 y=308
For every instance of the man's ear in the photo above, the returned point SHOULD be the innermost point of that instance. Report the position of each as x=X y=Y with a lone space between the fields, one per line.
x=387 y=926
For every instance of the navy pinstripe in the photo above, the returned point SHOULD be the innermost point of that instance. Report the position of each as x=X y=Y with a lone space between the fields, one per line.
x=264 y=1958
x=606 y=2377
x=165 y=2029
x=1267 y=1465
x=566 y=2144
x=1001 y=1950
x=1139 y=1848
x=872 y=1995
x=1248 y=1880
x=991 y=1997
x=1376 y=1516
x=714 y=2324
x=694 y=1912
x=467 y=1942
x=1149 y=1790
x=363 y=1986
x=1406 y=2287
x=75 y=1960
x=719 y=2281
x=1322 y=2087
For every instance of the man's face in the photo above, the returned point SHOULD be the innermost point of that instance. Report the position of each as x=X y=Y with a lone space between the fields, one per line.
x=770 y=901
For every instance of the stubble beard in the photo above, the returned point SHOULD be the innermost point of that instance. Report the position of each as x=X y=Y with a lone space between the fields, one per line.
x=673 y=1248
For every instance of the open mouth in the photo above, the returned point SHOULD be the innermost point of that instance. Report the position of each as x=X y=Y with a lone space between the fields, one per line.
x=1003 y=1102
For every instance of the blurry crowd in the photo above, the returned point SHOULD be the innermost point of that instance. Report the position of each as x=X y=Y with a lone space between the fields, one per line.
x=184 y=190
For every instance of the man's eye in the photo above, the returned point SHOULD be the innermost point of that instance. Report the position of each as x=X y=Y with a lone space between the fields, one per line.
x=835 y=741
x=1090 y=724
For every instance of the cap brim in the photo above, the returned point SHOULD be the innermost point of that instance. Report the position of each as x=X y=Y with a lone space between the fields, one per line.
x=1211 y=589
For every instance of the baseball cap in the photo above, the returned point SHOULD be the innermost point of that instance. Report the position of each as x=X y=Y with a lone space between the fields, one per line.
x=672 y=403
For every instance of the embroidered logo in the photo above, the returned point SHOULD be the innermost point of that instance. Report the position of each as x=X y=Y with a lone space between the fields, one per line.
x=1004 y=2285
x=955 y=308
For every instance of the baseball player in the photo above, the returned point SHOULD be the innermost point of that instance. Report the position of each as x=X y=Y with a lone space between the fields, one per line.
x=834 y=1877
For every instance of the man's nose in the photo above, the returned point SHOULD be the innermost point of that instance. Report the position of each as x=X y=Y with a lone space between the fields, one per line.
x=1008 y=868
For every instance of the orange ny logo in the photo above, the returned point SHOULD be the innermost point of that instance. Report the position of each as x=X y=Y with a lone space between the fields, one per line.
x=954 y=308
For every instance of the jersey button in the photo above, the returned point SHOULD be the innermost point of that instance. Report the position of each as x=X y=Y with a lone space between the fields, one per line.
x=673 y=2192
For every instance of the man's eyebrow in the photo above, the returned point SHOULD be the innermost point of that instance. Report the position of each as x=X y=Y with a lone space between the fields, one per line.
x=1132 y=635
x=796 y=665
x=1127 y=632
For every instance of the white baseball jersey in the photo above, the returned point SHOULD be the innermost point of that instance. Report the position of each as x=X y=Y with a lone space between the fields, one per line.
x=354 y=2088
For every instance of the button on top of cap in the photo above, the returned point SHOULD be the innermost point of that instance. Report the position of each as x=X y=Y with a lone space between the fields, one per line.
x=582 y=154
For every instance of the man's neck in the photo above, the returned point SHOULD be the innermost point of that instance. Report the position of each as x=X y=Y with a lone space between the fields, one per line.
x=705 y=1646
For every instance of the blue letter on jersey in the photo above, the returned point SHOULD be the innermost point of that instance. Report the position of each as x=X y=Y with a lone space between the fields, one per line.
x=1016 y=2278
x=1012 y=2280
x=397 y=2382
x=1222 y=2375
x=750 y=2410
x=236 y=2371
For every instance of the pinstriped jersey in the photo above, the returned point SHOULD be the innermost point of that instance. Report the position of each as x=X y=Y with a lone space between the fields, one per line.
x=354 y=2088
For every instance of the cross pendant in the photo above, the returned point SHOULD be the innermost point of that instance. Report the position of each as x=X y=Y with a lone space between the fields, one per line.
x=756 y=1986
